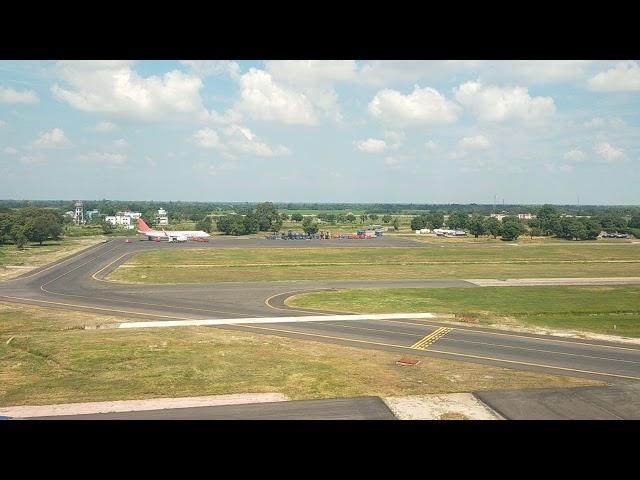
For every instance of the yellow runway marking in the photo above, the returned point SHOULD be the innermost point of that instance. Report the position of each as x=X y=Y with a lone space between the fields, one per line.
x=442 y=352
x=467 y=329
x=426 y=342
x=349 y=327
x=267 y=302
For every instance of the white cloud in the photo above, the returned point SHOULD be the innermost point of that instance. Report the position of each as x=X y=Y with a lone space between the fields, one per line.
x=205 y=68
x=10 y=151
x=9 y=95
x=33 y=159
x=574 y=156
x=371 y=145
x=3 y=124
x=237 y=139
x=115 y=159
x=242 y=140
x=479 y=142
x=150 y=161
x=396 y=139
x=495 y=104
x=624 y=77
x=424 y=106
x=103 y=127
x=308 y=72
x=595 y=122
x=264 y=99
x=120 y=143
x=207 y=138
x=114 y=87
x=53 y=139
x=608 y=152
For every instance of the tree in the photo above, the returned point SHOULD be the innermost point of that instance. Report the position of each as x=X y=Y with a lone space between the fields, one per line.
x=512 y=228
x=419 y=222
x=578 y=230
x=635 y=221
x=205 y=224
x=351 y=218
x=266 y=213
x=19 y=236
x=612 y=222
x=251 y=224
x=276 y=224
x=330 y=217
x=107 y=228
x=477 y=225
x=309 y=226
x=593 y=229
x=373 y=217
x=548 y=218
x=396 y=224
x=386 y=218
x=363 y=217
x=535 y=232
x=434 y=220
x=493 y=226
x=458 y=220
x=38 y=229
x=297 y=217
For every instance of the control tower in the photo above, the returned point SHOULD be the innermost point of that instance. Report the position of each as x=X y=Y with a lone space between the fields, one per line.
x=79 y=215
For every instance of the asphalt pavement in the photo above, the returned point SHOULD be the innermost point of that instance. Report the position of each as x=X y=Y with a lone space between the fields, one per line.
x=77 y=283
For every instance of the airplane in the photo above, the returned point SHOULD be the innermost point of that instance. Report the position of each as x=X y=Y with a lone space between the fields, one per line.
x=171 y=236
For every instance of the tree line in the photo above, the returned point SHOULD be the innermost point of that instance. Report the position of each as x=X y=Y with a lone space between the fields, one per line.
x=549 y=222
x=25 y=225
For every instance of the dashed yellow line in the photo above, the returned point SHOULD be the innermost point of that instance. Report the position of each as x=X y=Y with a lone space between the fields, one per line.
x=426 y=342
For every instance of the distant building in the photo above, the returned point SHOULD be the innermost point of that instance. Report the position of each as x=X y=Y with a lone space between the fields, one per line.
x=90 y=213
x=119 y=221
x=163 y=217
x=498 y=216
x=526 y=216
x=132 y=215
x=78 y=217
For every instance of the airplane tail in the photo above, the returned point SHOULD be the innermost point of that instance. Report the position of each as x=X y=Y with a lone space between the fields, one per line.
x=142 y=226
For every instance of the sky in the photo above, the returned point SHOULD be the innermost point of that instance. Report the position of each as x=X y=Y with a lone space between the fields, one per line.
x=329 y=131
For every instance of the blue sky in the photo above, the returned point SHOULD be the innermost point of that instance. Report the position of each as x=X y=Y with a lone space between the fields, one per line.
x=321 y=131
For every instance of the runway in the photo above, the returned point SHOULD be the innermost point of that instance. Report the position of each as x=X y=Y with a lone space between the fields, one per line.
x=77 y=283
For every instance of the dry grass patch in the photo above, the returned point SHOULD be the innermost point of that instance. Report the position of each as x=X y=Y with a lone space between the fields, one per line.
x=34 y=256
x=48 y=362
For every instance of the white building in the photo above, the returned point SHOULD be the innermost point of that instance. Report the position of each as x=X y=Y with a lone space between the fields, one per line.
x=133 y=215
x=119 y=221
x=163 y=217
x=498 y=216
x=526 y=216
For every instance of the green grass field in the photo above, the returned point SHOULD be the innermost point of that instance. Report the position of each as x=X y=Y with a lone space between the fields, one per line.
x=586 y=308
x=496 y=260
x=46 y=357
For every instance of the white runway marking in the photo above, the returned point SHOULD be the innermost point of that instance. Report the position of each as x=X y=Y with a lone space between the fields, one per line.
x=311 y=318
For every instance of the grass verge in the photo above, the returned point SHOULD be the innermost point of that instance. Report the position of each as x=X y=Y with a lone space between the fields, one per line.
x=46 y=357
x=610 y=310
x=381 y=263
x=14 y=262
